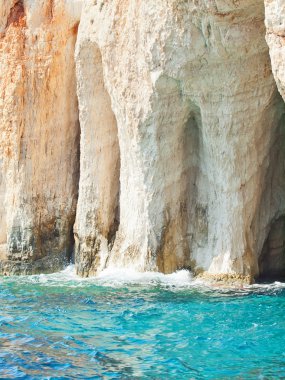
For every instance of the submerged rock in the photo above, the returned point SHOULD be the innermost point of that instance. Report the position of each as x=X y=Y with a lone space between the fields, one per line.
x=181 y=143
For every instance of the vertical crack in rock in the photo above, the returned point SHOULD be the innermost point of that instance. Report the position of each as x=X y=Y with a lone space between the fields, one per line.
x=72 y=245
x=97 y=217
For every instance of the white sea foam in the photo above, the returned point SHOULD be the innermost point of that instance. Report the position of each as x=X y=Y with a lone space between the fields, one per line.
x=124 y=277
x=109 y=277
x=127 y=276
x=274 y=285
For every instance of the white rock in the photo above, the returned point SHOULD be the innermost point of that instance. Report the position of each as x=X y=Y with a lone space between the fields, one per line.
x=198 y=120
x=275 y=37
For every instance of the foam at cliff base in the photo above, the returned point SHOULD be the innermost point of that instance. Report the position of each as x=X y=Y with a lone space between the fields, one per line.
x=117 y=278
x=108 y=277
x=179 y=279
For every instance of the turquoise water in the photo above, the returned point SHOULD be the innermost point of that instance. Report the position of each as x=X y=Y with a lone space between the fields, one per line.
x=139 y=327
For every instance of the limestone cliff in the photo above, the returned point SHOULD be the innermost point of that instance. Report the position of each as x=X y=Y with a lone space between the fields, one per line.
x=275 y=37
x=39 y=133
x=274 y=260
x=199 y=126
x=181 y=136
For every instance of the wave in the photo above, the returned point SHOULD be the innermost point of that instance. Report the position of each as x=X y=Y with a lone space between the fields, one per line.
x=181 y=279
x=108 y=277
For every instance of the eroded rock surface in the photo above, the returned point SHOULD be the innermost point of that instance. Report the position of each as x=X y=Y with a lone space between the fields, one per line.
x=39 y=134
x=200 y=127
x=181 y=136
x=275 y=37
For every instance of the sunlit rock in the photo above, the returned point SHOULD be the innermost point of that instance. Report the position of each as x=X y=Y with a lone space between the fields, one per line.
x=200 y=126
x=180 y=138
x=39 y=134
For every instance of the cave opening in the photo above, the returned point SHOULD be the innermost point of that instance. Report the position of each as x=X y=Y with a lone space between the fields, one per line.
x=272 y=258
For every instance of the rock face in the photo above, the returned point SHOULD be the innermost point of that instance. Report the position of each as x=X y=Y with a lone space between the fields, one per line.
x=275 y=37
x=39 y=134
x=181 y=144
x=199 y=125
x=273 y=264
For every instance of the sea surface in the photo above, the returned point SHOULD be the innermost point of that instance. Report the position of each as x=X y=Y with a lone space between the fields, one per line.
x=126 y=325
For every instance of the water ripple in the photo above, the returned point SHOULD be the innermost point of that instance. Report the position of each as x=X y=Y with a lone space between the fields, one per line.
x=144 y=326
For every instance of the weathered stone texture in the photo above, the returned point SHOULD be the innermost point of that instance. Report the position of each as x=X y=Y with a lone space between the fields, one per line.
x=181 y=136
x=200 y=127
x=275 y=37
x=39 y=135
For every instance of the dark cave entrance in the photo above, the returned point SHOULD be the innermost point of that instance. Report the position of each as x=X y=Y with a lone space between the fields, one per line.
x=272 y=259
